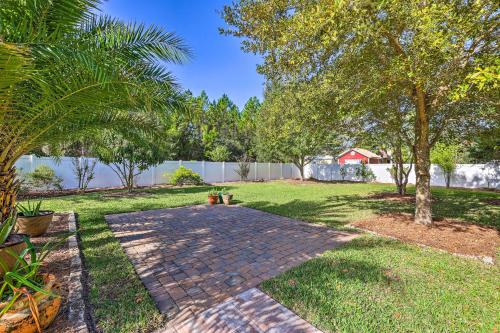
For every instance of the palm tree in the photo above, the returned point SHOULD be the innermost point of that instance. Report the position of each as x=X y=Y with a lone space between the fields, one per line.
x=65 y=72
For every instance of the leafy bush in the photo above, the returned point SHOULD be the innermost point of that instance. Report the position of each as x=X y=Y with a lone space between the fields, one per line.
x=183 y=176
x=43 y=178
x=243 y=170
x=343 y=172
x=365 y=173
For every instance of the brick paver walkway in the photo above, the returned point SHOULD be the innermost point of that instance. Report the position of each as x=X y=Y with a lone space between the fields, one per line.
x=192 y=258
x=252 y=311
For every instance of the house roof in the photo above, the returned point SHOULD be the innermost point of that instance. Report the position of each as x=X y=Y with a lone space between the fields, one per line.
x=364 y=152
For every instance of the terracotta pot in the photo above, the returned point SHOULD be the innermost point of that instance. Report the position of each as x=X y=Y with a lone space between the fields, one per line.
x=213 y=199
x=34 y=225
x=19 y=318
x=14 y=243
x=227 y=199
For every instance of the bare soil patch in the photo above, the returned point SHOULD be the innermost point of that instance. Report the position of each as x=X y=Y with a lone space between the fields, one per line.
x=446 y=234
x=126 y=194
x=391 y=196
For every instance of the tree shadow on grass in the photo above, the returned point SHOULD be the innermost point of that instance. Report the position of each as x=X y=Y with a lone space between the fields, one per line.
x=331 y=213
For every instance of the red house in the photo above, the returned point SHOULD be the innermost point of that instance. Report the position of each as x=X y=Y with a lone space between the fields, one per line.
x=358 y=156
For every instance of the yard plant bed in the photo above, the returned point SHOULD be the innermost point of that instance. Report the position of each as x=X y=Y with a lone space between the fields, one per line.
x=58 y=263
x=446 y=234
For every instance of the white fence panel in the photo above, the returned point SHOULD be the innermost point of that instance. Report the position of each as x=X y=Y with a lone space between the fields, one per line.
x=230 y=174
x=465 y=175
x=211 y=172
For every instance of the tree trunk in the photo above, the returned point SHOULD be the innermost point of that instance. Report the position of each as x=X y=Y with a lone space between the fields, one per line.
x=300 y=164
x=130 y=177
x=9 y=187
x=423 y=213
x=448 y=179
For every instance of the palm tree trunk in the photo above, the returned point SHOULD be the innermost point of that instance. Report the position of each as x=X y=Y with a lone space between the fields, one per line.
x=9 y=186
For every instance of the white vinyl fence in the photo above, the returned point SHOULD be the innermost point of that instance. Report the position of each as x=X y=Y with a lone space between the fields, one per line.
x=211 y=172
x=466 y=175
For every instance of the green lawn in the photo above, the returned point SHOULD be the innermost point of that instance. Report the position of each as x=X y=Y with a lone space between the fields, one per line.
x=370 y=285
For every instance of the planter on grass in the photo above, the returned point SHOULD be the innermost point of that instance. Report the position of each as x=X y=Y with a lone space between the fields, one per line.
x=213 y=199
x=19 y=318
x=15 y=244
x=34 y=225
x=227 y=198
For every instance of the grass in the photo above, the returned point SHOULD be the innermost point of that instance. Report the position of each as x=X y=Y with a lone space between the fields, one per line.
x=121 y=303
x=379 y=285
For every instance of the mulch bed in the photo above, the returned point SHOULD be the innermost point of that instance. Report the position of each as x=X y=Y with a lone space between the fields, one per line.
x=58 y=263
x=493 y=202
x=395 y=197
x=446 y=234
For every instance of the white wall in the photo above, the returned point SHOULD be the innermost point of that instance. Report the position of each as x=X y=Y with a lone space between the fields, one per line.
x=211 y=172
x=466 y=175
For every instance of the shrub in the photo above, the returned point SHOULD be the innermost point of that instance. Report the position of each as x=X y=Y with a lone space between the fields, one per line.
x=183 y=176
x=243 y=170
x=43 y=177
x=365 y=173
x=343 y=172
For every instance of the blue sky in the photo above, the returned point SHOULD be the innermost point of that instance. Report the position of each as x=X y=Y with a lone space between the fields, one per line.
x=219 y=65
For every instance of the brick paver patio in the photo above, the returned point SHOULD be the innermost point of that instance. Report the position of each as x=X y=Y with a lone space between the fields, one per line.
x=192 y=258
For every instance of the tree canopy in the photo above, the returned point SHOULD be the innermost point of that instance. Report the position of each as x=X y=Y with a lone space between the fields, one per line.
x=291 y=128
x=370 y=51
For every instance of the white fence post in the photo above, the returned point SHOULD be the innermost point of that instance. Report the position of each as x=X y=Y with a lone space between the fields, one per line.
x=203 y=173
x=255 y=176
x=180 y=163
x=281 y=170
x=223 y=171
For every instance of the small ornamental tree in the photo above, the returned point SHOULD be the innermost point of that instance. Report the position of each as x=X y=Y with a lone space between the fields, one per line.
x=446 y=157
x=243 y=170
x=84 y=170
x=128 y=158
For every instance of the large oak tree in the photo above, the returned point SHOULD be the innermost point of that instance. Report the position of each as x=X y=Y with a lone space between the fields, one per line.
x=428 y=51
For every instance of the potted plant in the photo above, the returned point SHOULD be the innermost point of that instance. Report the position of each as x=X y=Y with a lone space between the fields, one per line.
x=11 y=245
x=213 y=197
x=33 y=221
x=226 y=197
x=28 y=299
